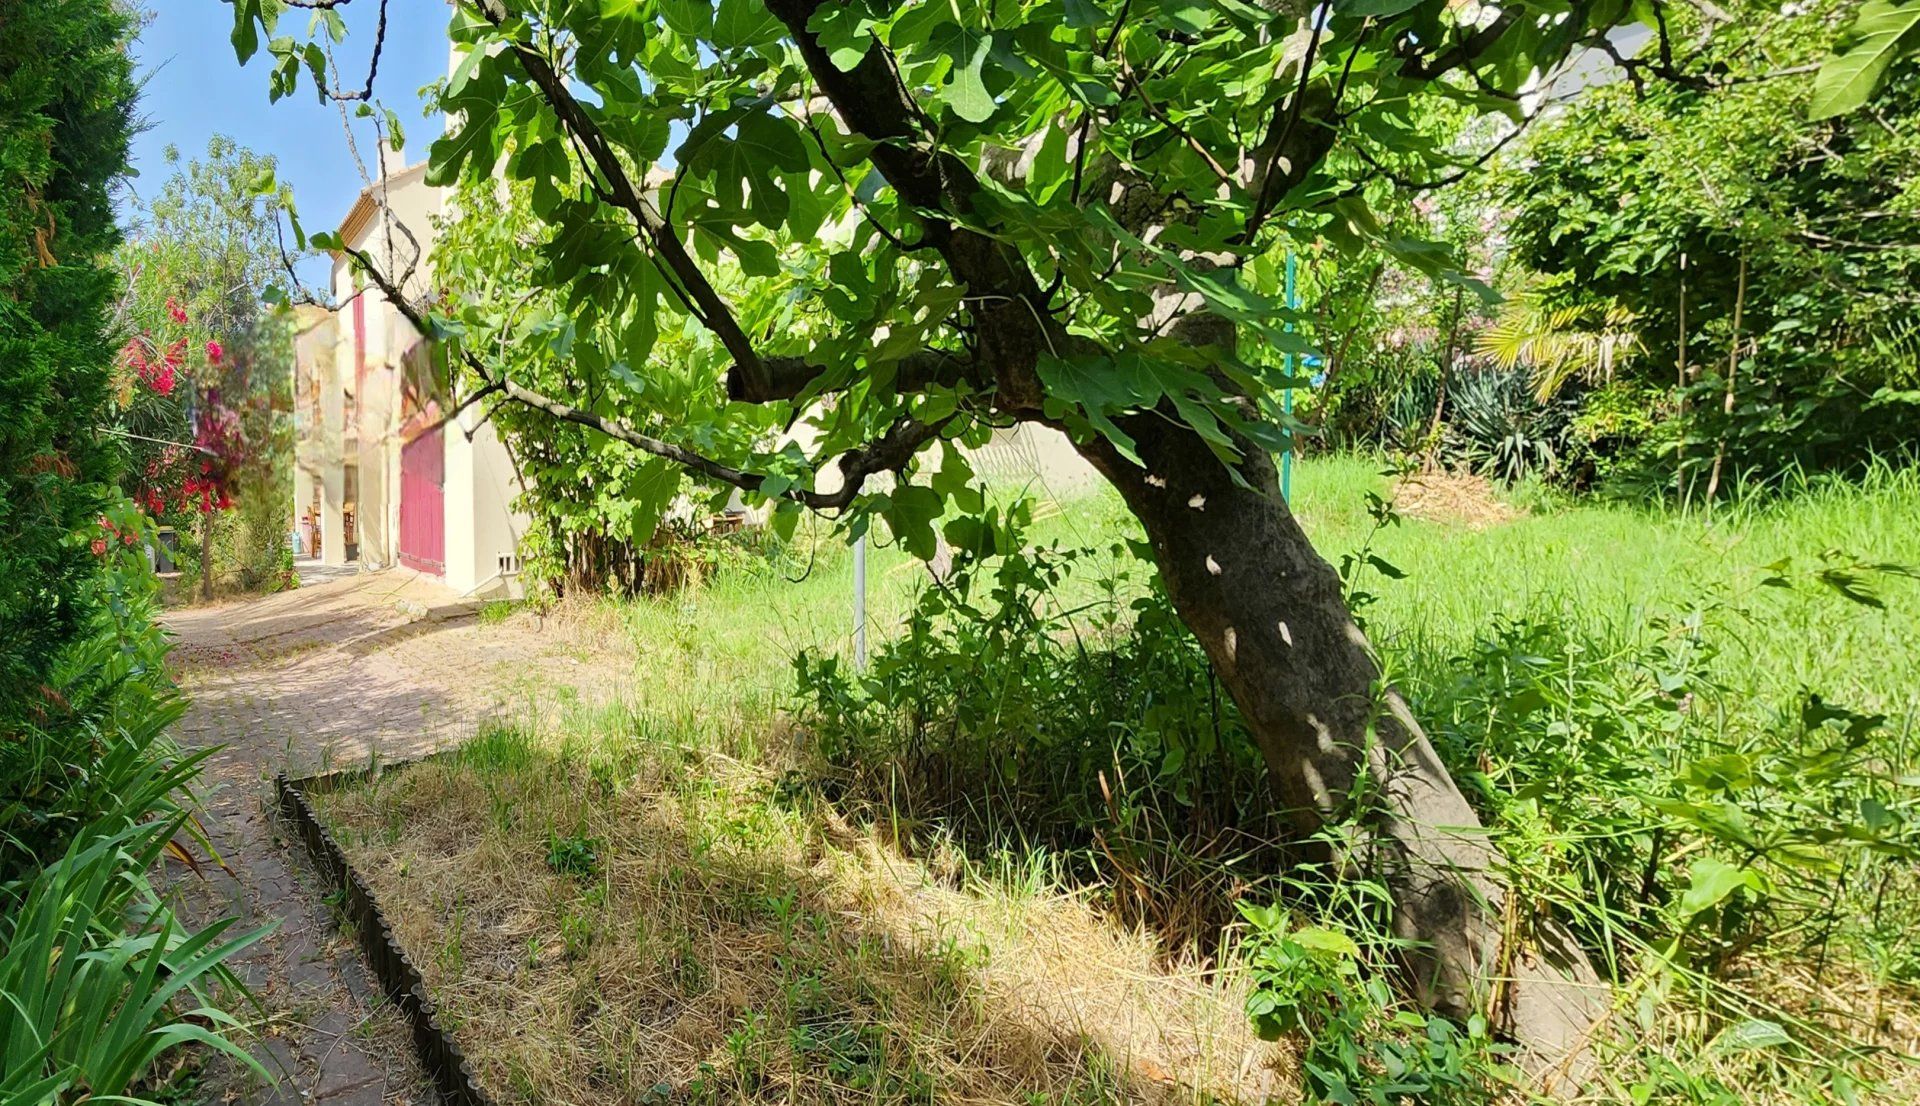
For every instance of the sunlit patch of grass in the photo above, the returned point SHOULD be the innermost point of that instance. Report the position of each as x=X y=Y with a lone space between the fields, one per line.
x=724 y=944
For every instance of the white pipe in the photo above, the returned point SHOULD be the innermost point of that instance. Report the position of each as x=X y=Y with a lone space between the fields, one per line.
x=860 y=603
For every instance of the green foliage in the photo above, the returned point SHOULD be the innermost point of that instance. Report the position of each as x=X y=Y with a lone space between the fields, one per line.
x=1697 y=831
x=1492 y=423
x=1086 y=729
x=102 y=753
x=1883 y=32
x=1627 y=702
x=98 y=978
x=66 y=94
x=1500 y=428
x=1676 y=204
x=596 y=505
x=574 y=855
x=213 y=434
x=1358 y=1045
x=772 y=233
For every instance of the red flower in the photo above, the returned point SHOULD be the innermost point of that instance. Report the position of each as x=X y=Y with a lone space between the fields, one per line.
x=214 y=351
x=177 y=313
x=99 y=547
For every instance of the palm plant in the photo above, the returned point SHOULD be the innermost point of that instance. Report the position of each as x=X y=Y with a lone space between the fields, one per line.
x=1559 y=335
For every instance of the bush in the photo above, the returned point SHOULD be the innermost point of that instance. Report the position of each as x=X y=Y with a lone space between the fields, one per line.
x=66 y=96
x=1092 y=731
x=97 y=979
x=1492 y=424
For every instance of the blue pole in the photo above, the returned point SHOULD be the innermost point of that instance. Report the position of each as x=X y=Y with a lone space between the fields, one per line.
x=1286 y=394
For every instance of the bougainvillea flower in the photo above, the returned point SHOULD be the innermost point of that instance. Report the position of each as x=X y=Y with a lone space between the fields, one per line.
x=214 y=351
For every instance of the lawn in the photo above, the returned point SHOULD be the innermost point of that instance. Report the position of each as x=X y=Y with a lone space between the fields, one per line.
x=656 y=903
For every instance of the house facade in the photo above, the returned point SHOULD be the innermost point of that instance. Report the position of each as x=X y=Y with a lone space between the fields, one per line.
x=381 y=477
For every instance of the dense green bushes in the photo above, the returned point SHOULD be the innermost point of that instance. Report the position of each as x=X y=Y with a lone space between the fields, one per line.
x=1767 y=261
x=66 y=95
x=97 y=979
x=1093 y=732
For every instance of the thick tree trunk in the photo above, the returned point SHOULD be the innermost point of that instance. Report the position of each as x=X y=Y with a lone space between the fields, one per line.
x=1271 y=615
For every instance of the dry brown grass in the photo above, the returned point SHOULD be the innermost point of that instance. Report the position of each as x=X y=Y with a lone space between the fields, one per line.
x=1455 y=498
x=732 y=946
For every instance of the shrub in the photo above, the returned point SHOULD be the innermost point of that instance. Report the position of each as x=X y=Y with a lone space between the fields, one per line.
x=66 y=95
x=1091 y=730
x=1493 y=423
x=98 y=979
x=1358 y=1043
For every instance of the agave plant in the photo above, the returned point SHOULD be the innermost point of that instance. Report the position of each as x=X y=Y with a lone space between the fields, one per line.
x=1500 y=428
x=1409 y=414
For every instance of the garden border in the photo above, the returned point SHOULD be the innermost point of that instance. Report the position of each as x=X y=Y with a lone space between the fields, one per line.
x=439 y=1054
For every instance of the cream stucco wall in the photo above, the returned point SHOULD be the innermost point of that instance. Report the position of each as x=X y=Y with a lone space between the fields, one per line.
x=394 y=224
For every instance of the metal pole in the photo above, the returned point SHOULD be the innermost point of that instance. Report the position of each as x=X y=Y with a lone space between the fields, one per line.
x=860 y=603
x=1286 y=393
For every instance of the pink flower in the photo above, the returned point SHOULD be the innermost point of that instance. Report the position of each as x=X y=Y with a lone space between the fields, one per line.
x=214 y=351
x=175 y=312
x=99 y=547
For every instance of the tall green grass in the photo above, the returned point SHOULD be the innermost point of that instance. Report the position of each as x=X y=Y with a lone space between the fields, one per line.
x=1687 y=729
x=1605 y=568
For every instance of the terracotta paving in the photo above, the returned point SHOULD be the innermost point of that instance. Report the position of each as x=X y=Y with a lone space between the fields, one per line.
x=326 y=676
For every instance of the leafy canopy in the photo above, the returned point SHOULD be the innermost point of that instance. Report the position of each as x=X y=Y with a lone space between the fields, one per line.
x=1067 y=211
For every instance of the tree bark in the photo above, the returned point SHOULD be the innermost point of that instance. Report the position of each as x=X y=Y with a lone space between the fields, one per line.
x=1271 y=616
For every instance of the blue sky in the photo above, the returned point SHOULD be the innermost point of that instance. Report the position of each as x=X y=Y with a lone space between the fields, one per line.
x=194 y=89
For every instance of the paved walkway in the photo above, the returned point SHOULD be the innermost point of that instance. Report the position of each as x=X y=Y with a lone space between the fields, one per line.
x=326 y=676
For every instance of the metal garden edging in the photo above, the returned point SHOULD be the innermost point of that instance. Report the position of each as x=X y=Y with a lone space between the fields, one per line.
x=436 y=1049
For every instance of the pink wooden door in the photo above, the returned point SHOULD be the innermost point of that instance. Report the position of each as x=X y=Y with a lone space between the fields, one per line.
x=423 y=516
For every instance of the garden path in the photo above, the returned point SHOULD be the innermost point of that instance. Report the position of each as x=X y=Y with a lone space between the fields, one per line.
x=327 y=675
